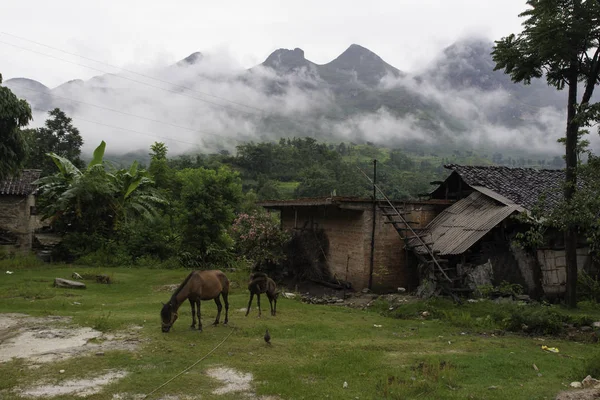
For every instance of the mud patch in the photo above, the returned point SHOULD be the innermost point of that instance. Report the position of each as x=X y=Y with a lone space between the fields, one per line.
x=48 y=339
x=127 y=396
x=234 y=381
x=74 y=387
x=167 y=288
x=582 y=394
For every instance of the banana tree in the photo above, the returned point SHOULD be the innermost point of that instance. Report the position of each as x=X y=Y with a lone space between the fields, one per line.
x=95 y=200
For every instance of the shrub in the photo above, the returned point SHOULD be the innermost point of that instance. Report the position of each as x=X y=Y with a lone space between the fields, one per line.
x=588 y=287
x=591 y=366
x=259 y=238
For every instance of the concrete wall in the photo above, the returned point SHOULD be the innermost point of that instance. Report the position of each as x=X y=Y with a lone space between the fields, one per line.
x=349 y=234
x=15 y=217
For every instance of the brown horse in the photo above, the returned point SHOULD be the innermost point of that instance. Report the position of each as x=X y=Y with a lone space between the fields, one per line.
x=199 y=285
x=261 y=283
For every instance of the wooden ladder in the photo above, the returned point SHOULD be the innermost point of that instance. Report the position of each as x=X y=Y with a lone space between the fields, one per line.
x=444 y=277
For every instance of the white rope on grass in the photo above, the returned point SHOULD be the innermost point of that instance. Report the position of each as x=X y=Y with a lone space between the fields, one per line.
x=190 y=367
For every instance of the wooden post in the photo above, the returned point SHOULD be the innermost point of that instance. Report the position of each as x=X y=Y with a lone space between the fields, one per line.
x=371 y=265
x=346 y=278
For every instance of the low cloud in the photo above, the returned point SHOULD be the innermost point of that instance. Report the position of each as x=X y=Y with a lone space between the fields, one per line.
x=184 y=108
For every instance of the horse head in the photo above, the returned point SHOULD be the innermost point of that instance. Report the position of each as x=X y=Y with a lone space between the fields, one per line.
x=168 y=315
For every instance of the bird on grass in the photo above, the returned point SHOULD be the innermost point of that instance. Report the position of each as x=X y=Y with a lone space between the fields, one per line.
x=267 y=337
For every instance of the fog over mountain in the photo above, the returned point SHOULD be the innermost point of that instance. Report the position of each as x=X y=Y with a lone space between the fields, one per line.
x=205 y=102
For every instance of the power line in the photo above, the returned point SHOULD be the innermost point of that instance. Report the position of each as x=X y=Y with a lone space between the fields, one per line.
x=130 y=79
x=117 y=111
x=291 y=119
x=143 y=133
x=265 y=113
x=134 y=72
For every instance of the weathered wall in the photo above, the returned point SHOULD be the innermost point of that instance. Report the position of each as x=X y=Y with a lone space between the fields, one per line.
x=15 y=217
x=349 y=234
x=554 y=268
x=345 y=230
x=393 y=267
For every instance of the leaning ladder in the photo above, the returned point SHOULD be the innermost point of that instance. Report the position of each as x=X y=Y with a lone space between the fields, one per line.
x=430 y=253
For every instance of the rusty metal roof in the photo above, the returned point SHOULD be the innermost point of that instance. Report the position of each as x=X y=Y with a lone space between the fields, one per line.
x=462 y=224
x=21 y=185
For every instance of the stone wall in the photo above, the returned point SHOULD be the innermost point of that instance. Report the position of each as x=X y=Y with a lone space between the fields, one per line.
x=15 y=217
x=349 y=234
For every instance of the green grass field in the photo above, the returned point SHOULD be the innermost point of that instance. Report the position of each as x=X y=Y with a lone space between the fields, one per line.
x=315 y=349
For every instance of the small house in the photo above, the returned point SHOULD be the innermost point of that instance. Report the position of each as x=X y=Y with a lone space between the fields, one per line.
x=18 y=219
x=477 y=229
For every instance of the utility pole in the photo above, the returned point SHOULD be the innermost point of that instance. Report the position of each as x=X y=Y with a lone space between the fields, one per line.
x=374 y=220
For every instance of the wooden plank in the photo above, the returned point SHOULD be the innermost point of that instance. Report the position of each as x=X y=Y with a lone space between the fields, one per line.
x=438 y=261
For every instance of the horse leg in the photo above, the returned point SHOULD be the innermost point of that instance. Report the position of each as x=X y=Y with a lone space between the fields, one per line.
x=270 y=302
x=275 y=304
x=199 y=317
x=258 y=301
x=193 y=314
x=249 y=303
x=225 y=295
x=219 y=308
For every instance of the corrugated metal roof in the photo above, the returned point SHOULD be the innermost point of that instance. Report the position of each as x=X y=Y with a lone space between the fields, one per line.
x=462 y=224
x=21 y=185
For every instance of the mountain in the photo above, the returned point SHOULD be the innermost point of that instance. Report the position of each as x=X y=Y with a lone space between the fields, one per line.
x=456 y=100
x=33 y=91
x=192 y=59
x=361 y=64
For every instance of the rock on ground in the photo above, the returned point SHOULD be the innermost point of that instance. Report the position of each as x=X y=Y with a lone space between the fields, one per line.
x=66 y=283
x=583 y=394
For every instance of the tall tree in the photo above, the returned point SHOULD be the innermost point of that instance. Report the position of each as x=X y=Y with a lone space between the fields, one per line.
x=14 y=114
x=560 y=39
x=58 y=136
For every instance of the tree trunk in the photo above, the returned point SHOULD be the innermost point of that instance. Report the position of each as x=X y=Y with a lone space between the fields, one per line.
x=570 y=188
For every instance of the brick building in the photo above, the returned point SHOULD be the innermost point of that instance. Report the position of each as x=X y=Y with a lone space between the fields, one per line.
x=348 y=226
x=465 y=226
x=18 y=219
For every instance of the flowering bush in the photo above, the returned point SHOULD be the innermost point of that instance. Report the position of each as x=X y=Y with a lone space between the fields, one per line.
x=258 y=237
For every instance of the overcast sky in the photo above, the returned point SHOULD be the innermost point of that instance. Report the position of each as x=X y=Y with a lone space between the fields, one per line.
x=143 y=33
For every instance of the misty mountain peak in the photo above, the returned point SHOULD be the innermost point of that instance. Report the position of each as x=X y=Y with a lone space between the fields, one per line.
x=192 y=59
x=31 y=84
x=368 y=66
x=284 y=60
x=470 y=48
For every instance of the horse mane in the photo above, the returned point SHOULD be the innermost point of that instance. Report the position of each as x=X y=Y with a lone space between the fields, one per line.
x=257 y=275
x=185 y=281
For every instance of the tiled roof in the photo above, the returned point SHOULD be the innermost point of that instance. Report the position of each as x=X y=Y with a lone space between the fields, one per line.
x=523 y=186
x=462 y=224
x=20 y=185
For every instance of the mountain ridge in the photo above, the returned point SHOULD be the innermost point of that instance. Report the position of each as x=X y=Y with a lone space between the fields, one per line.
x=354 y=94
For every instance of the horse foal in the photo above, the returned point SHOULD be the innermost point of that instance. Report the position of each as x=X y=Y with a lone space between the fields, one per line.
x=261 y=283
